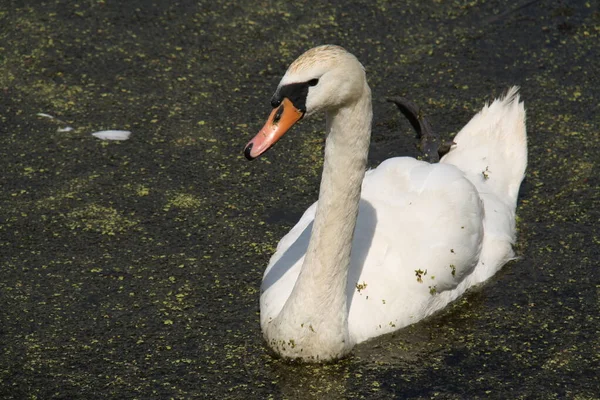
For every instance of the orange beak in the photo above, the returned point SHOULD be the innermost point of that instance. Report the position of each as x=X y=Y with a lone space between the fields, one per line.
x=282 y=118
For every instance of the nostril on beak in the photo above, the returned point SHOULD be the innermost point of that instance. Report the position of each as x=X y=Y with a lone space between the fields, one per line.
x=278 y=115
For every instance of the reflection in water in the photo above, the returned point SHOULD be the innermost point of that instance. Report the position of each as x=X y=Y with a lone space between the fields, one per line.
x=302 y=381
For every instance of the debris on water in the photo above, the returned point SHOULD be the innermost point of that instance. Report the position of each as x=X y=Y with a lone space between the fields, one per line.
x=66 y=127
x=45 y=115
x=112 y=135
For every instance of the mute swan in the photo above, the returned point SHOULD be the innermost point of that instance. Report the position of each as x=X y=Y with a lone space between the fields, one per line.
x=383 y=249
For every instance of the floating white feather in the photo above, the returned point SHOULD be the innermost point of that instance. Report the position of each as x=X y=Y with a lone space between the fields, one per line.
x=112 y=135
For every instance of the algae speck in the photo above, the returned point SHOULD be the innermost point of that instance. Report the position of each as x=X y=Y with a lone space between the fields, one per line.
x=453 y=269
x=419 y=273
x=486 y=173
x=361 y=286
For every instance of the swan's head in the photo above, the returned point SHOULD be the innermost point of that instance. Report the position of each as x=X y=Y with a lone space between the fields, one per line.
x=325 y=78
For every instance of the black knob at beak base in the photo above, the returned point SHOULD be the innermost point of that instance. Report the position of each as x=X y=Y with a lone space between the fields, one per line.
x=247 y=151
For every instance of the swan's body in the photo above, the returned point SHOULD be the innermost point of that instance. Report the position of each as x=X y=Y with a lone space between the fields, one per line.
x=424 y=232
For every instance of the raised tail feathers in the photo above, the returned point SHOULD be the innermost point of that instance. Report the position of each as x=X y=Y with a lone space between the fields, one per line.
x=492 y=148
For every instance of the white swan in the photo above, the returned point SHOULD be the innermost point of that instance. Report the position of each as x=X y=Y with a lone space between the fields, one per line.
x=376 y=254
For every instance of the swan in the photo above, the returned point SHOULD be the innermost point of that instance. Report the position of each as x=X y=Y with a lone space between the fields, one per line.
x=384 y=248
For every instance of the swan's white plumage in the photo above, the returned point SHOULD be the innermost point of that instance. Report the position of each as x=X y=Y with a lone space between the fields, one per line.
x=425 y=233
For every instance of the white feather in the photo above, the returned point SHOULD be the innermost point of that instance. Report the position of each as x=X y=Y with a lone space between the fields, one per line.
x=112 y=135
x=44 y=115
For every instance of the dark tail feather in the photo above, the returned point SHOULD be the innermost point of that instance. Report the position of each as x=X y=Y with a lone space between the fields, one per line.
x=430 y=144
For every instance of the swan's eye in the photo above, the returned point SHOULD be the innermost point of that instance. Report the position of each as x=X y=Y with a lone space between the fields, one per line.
x=313 y=82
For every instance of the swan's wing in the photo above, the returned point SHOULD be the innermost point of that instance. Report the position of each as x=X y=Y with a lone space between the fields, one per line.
x=418 y=238
x=284 y=266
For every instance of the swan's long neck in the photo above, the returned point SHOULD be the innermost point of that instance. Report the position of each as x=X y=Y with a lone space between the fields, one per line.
x=328 y=256
x=314 y=320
